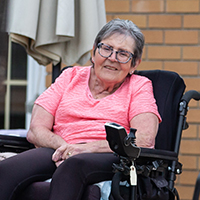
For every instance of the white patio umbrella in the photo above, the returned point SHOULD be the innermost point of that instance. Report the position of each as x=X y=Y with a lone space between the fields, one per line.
x=55 y=30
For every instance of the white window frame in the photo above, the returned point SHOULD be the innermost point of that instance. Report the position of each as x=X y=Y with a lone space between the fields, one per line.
x=35 y=85
x=10 y=82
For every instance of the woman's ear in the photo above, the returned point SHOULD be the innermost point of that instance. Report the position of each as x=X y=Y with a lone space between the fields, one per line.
x=137 y=62
x=133 y=68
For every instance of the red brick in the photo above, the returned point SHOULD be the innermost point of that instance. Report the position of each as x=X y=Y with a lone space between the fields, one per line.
x=49 y=68
x=147 y=6
x=191 y=132
x=109 y=17
x=185 y=192
x=165 y=21
x=150 y=65
x=199 y=136
x=199 y=163
x=181 y=37
x=193 y=104
x=164 y=52
x=190 y=147
x=139 y=20
x=194 y=116
x=192 y=83
x=188 y=177
x=182 y=68
x=144 y=53
x=48 y=80
x=189 y=162
x=182 y=6
x=121 y=6
x=153 y=36
x=191 y=21
x=191 y=53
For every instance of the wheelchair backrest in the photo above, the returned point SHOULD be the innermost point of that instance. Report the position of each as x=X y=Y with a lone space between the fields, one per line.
x=168 y=89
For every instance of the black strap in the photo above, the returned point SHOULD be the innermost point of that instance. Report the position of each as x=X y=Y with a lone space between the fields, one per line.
x=175 y=192
x=115 y=187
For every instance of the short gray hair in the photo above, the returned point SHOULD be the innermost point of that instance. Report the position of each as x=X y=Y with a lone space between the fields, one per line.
x=125 y=27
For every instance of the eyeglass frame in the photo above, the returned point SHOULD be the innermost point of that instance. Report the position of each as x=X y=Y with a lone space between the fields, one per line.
x=101 y=43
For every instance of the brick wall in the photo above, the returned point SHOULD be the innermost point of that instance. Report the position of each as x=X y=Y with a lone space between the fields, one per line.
x=172 y=35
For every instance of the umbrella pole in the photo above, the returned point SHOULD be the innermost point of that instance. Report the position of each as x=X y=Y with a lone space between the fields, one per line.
x=55 y=71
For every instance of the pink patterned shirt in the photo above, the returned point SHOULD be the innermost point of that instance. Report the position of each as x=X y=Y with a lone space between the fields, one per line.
x=81 y=118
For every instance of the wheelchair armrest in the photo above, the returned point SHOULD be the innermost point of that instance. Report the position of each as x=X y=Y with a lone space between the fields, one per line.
x=157 y=160
x=147 y=153
x=14 y=144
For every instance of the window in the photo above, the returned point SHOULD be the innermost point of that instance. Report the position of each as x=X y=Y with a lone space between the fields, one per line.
x=13 y=85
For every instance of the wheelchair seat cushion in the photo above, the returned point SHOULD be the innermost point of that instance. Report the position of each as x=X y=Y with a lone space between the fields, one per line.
x=41 y=190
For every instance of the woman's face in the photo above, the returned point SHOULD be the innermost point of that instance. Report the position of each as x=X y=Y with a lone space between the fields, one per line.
x=109 y=70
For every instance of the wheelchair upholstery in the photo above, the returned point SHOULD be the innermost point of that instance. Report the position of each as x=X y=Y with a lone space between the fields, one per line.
x=168 y=88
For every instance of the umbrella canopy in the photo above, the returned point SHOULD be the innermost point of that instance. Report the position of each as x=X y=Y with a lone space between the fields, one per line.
x=56 y=30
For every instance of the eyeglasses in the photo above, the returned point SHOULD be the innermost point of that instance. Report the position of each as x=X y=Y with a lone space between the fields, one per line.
x=106 y=51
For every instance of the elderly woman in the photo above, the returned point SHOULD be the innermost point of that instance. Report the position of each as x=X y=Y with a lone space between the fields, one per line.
x=68 y=118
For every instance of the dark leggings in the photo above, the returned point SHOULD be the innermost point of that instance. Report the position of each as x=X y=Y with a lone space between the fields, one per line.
x=69 y=180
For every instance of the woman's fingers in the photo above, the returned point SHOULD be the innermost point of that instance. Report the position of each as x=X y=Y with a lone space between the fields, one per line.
x=59 y=162
x=58 y=154
x=68 y=150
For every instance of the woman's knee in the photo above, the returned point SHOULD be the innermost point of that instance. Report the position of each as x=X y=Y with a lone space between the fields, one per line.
x=30 y=161
x=74 y=163
x=83 y=165
x=20 y=170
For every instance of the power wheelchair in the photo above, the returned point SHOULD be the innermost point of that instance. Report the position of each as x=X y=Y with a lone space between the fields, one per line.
x=160 y=165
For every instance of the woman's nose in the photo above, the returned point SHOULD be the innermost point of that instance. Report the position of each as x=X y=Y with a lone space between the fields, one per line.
x=113 y=56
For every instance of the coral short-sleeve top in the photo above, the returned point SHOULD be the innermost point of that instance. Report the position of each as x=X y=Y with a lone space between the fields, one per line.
x=79 y=118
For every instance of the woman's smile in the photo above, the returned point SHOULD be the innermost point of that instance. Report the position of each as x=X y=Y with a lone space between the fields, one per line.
x=112 y=68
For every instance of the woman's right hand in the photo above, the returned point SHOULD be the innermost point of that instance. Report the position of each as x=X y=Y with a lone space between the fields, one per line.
x=65 y=151
x=58 y=156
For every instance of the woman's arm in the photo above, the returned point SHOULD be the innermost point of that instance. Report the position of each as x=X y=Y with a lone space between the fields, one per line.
x=40 y=133
x=145 y=123
x=147 y=128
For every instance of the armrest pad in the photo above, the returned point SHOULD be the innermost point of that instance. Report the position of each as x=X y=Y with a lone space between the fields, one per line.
x=158 y=154
x=14 y=143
